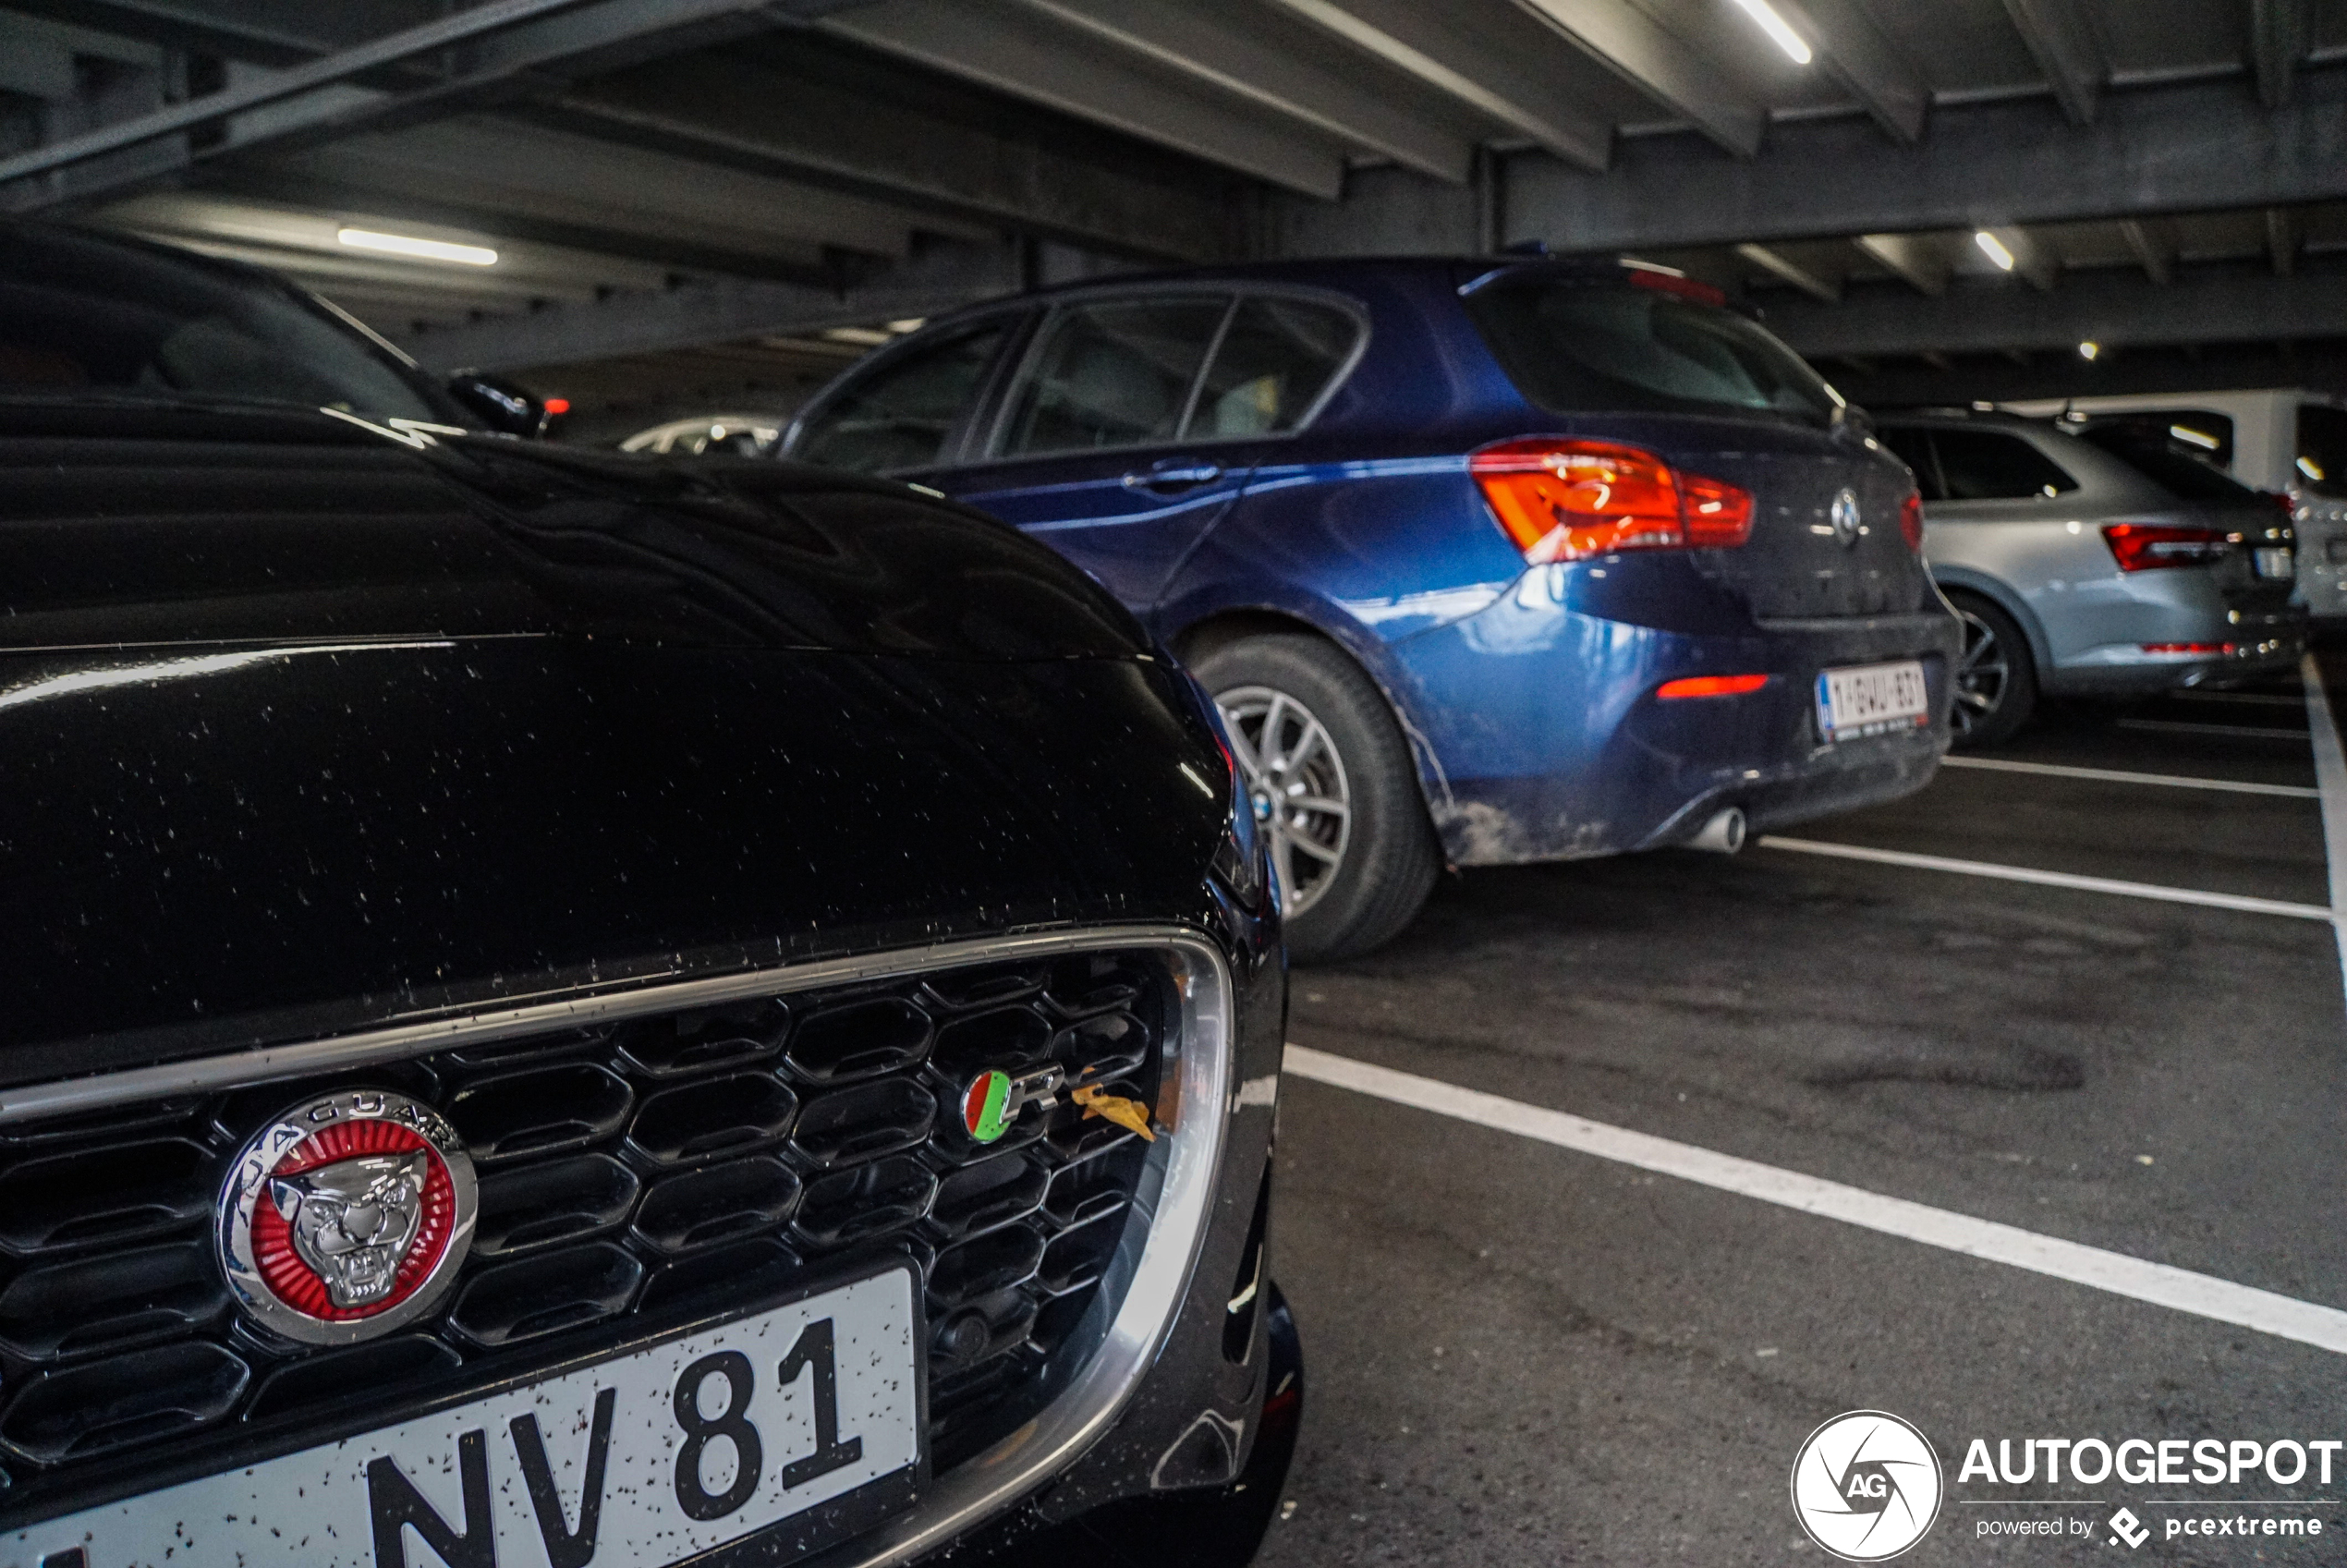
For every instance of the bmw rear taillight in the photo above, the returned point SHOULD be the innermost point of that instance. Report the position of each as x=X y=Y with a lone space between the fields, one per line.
x=2142 y=547
x=1911 y=520
x=1571 y=500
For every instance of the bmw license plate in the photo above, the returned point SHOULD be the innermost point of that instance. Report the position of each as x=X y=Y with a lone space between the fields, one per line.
x=2276 y=562
x=648 y=1457
x=1864 y=699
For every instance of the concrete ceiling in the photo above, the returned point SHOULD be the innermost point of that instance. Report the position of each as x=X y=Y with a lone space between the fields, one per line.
x=665 y=174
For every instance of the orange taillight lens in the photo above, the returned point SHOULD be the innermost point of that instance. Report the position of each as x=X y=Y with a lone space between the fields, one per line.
x=1571 y=500
x=1719 y=515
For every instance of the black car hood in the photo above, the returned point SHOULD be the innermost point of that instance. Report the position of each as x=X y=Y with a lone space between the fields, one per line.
x=380 y=733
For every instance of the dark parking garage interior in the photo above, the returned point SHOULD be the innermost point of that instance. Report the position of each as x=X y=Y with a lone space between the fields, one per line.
x=1994 y=1100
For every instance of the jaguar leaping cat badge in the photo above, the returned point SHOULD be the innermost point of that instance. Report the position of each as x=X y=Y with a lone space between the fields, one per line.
x=347 y=1217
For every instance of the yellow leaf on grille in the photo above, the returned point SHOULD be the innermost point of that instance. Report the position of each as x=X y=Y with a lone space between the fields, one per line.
x=1124 y=1113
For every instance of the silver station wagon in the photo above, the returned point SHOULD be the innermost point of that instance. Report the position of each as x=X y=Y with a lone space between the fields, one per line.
x=2093 y=560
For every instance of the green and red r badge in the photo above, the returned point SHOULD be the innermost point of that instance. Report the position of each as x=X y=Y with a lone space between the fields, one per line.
x=993 y=1099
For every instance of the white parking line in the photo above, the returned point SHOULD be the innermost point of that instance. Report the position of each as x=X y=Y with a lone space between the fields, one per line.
x=2116 y=775
x=2236 y=732
x=2204 y=1295
x=2331 y=777
x=2050 y=878
x=2248 y=698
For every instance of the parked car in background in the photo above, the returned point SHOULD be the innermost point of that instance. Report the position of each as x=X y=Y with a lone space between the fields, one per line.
x=1485 y=561
x=2093 y=560
x=564 y=1006
x=743 y=435
x=2290 y=441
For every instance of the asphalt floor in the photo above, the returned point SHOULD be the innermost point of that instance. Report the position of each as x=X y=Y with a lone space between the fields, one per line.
x=1518 y=1353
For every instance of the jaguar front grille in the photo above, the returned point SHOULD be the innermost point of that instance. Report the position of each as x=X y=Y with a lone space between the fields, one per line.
x=640 y=1166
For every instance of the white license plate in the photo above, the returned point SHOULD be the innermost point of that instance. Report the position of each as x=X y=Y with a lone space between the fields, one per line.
x=2276 y=562
x=644 y=1459
x=1864 y=699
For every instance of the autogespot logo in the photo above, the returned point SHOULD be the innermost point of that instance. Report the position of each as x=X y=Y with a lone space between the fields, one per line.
x=1867 y=1485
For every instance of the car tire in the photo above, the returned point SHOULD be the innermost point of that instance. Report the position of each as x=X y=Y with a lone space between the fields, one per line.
x=1995 y=678
x=1355 y=854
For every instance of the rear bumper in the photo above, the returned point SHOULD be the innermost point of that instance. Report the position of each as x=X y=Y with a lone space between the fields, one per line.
x=1541 y=738
x=2322 y=557
x=2126 y=669
x=2140 y=633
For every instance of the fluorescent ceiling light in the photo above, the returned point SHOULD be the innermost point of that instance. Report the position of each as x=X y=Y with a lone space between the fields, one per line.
x=864 y=336
x=1775 y=27
x=2311 y=469
x=1994 y=249
x=910 y=323
x=2201 y=439
x=2089 y=349
x=422 y=249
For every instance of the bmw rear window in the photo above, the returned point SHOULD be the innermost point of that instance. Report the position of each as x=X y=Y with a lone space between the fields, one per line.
x=1575 y=346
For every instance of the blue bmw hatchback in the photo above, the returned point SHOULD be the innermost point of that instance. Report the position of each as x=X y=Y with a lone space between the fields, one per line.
x=1484 y=562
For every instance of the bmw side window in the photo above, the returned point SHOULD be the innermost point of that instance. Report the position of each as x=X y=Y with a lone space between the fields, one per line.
x=1913 y=447
x=1113 y=375
x=1274 y=361
x=902 y=414
x=1987 y=466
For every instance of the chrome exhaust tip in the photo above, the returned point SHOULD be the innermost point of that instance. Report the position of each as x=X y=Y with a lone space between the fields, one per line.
x=1723 y=835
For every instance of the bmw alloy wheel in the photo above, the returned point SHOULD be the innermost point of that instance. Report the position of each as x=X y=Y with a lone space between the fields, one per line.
x=1297 y=781
x=1982 y=675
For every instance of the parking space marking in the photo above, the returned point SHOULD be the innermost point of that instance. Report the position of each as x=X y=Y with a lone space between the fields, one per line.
x=2239 y=732
x=2252 y=699
x=2161 y=1284
x=2330 y=778
x=2117 y=775
x=2235 y=901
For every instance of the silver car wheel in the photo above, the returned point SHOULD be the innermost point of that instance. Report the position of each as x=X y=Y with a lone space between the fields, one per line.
x=1297 y=781
x=1982 y=675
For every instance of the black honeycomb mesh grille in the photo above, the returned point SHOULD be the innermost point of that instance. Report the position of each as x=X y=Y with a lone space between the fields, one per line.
x=628 y=1169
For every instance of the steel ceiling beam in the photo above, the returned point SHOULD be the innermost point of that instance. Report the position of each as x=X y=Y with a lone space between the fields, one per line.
x=1911 y=257
x=1800 y=277
x=718 y=311
x=1862 y=55
x=2154 y=247
x=267 y=32
x=332 y=70
x=471 y=53
x=2198 y=147
x=2064 y=46
x=1637 y=48
x=1195 y=42
x=2276 y=42
x=2113 y=307
x=1521 y=95
x=820 y=126
x=1014 y=51
x=2281 y=241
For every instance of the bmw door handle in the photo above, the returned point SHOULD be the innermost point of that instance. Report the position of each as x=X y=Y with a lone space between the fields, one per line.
x=1172 y=476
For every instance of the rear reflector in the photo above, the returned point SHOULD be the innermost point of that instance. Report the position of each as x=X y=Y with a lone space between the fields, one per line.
x=1710 y=685
x=2141 y=547
x=1571 y=500
x=1911 y=520
x=2210 y=649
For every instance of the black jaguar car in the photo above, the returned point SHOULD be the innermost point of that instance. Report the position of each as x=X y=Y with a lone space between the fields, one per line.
x=571 y=1010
